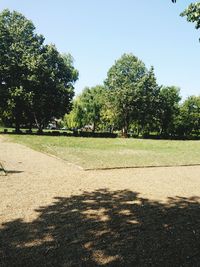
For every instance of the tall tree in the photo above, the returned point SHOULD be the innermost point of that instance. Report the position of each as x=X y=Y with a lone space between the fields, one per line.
x=18 y=46
x=35 y=80
x=53 y=87
x=122 y=81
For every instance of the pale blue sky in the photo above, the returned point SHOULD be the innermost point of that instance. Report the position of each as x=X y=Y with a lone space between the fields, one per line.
x=97 y=32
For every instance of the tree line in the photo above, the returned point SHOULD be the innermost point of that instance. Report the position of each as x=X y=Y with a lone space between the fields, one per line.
x=131 y=101
x=37 y=84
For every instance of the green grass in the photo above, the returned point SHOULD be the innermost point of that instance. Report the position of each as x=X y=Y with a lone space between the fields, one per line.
x=110 y=153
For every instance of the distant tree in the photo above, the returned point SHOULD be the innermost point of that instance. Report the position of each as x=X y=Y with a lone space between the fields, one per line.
x=147 y=102
x=90 y=104
x=122 y=83
x=189 y=118
x=109 y=118
x=168 y=109
x=75 y=119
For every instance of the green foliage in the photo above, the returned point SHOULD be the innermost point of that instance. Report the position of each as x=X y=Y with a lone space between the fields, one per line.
x=18 y=47
x=53 y=86
x=132 y=100
x=147 y=102
x=36 y=82
x=75 y=118
x=122 y=82
x=193 y=14
x=108 y=116
x=168 y=109
x=87 y=108
x=133 y=93
x=189 y=118
x=92 y=101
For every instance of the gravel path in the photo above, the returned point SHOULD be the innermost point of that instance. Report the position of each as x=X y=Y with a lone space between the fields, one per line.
x=36 y=180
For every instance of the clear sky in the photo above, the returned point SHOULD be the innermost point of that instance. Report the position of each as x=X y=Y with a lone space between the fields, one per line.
x=97 y=32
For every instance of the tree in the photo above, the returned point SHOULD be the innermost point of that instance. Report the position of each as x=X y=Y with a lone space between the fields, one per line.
x=75 y=119
x=88 y=107
x=189 y=118
x=147 y=103
x=122 y=81
x=53 y=87
x=36 y=82
x=108 y=116
x=168 y=109
x=193 y=14
x=18 y=45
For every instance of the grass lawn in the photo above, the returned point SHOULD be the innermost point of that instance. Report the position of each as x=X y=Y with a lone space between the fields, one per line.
x=91 y=153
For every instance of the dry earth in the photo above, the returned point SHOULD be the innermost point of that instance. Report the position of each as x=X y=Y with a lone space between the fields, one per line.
x=53 y=213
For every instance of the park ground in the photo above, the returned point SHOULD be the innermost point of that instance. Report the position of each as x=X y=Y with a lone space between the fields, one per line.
x=55 y=213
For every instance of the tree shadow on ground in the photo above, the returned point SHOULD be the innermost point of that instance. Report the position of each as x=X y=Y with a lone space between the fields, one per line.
x=106 y=228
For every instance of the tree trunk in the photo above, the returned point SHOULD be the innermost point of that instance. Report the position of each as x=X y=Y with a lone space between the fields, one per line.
x=40 y=128
x=126 y=124
x=125 y=131
x=30 y=126
x=17 y=121
x=138 y=130
x=38 y=124
x=17 y=125
x=94 y=127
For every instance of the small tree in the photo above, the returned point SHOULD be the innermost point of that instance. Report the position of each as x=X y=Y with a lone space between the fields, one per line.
x=189 y=118
x=88 y=107
x=168 y=109
x=147 y=103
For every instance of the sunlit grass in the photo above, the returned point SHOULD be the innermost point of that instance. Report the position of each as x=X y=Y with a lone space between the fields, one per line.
x=111 y=153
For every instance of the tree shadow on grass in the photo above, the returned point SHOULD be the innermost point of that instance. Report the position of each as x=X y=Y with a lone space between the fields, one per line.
x=106 y=228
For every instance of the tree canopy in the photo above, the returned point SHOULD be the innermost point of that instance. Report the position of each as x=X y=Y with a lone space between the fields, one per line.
x=132 y=92
x=193 y=14
x=122 y=81
x=36 y=82
x=87 y=108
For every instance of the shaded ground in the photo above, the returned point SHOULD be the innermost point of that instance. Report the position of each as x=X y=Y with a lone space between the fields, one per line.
x=54 y=214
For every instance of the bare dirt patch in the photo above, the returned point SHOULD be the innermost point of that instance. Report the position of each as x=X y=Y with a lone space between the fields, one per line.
x=54 y=214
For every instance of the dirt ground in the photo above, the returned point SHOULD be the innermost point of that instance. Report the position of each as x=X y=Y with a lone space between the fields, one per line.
x=53 y=213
